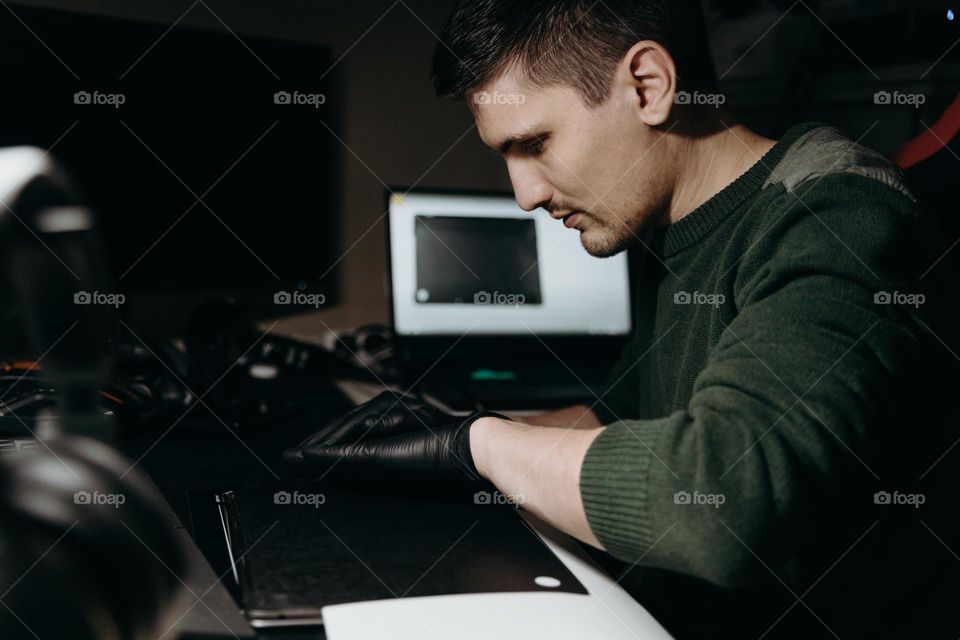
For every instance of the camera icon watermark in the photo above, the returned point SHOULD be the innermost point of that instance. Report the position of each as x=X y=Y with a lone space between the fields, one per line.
x=299 y=499
x=315 y=300
x=697 y=98
x=497 y=498
x=896 y=498
x=696 y=297
x=898 y=99
x=315 y=100
x=497 y=298
x=114 y=500
x=696 y=498
x=97 y=297
x=896 y=297
x=497 y=98
x=114 y=100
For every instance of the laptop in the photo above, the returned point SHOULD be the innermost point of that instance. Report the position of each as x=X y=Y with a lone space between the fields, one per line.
x=296 y=549
x=497 y=308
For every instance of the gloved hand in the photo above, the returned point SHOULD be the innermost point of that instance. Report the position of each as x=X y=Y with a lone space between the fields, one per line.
x=386 y=415
x=440 y=453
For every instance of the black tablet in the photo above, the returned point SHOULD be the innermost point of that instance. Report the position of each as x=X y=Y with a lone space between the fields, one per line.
x=298 y=548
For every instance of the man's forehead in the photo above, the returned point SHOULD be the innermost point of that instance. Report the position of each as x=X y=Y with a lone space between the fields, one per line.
x=503 y=117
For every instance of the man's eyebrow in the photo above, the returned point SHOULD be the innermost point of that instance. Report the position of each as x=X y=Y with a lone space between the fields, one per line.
x=504 y=146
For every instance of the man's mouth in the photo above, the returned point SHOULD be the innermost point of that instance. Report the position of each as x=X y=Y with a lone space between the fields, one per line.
x=569 y=219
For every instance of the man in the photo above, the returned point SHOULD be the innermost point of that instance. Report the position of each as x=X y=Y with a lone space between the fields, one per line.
x=771 y=456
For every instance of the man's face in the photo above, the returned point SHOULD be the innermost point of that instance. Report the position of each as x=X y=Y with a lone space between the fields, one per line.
x=594 y=167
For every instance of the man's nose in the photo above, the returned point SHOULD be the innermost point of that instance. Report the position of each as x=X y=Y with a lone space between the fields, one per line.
x=529 y=188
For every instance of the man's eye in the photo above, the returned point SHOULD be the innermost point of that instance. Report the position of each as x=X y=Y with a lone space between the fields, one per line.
x=533 y=148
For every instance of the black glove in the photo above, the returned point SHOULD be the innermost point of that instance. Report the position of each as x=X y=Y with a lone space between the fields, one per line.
x=386 y=415
x=438 y=453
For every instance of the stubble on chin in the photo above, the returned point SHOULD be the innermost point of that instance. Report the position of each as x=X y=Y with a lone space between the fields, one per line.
x=602 y=240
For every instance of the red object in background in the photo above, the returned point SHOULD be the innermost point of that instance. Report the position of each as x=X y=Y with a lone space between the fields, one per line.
x=931 y=164
x=931 y=141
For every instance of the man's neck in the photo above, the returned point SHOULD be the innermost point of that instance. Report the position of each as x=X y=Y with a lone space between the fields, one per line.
x=712 y=162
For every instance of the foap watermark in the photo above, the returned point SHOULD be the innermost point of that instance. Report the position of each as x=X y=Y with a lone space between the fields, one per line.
x=495 y=97
x=315 y=100
x=697 y=98
x=114 y=100
x=97 y=498
x=99 y=297
x=315 y=300
x=496 y=497
x=899 y=298
x=909 y=499
x=699 y=297
x=487 y=298
x=299 y=499
x=712 y=499
x=898 y=99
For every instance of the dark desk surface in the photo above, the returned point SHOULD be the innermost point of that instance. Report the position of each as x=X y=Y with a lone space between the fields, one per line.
x=193 y=458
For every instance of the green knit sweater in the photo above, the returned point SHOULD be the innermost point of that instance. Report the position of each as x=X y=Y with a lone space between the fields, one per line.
x=773 y=460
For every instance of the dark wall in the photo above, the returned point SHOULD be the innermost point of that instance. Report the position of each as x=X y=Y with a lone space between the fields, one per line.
x=779 y=62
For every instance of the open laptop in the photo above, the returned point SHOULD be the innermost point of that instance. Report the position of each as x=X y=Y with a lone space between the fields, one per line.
x=497 y=307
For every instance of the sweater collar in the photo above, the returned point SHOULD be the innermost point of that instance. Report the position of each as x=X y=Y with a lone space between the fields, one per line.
x=693 y=227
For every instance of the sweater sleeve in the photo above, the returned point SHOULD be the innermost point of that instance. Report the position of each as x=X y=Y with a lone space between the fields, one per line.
x=789 y=407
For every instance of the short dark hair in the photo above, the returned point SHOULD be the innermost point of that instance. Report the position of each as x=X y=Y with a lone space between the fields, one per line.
x=572 y=42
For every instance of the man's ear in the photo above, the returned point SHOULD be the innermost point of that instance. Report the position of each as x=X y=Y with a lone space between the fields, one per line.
x=651 y=74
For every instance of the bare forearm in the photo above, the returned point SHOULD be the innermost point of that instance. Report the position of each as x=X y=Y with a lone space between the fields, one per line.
x=538 y=466
x=578 y=416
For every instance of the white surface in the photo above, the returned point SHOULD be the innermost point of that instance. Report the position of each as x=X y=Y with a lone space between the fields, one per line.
x=581 y=294
x=607 y=613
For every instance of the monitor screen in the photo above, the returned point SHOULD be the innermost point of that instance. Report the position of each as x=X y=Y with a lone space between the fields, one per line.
x=478 y=264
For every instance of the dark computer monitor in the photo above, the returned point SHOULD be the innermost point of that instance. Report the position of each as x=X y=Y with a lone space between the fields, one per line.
x=210 y=157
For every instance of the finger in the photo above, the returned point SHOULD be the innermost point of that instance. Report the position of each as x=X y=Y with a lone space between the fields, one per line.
x=420 y=453
x=354 y=420
x=385 y=415
x=343 y=456
x=351 y=428
x=293 y=457
x=323 y=433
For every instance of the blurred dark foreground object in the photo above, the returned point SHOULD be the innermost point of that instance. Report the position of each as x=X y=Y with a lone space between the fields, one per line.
x=86 y=551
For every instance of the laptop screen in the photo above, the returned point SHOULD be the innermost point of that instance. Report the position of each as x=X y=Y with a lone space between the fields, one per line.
x=478 y=264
